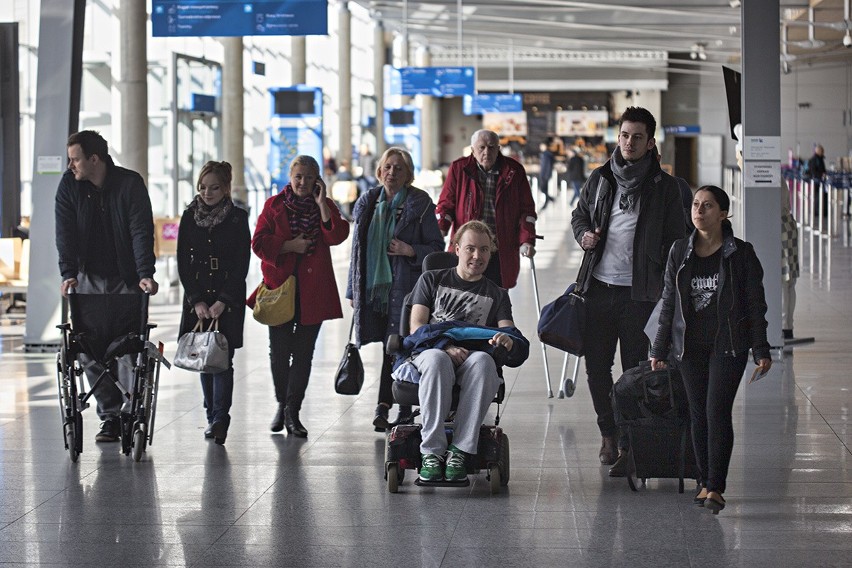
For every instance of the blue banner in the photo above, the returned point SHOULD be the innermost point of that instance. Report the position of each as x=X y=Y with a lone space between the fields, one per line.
x=196 y=18
x=492 y=102
x=433 y=81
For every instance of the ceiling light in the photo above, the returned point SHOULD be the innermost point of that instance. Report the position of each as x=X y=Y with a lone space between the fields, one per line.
x=735 y=3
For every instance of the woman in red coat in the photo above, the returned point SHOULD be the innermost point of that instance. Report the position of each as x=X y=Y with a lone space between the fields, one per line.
x=293 y=236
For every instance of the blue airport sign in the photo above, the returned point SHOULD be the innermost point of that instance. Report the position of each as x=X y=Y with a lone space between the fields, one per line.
x=197 y=18
x=433 y=81
x=683 y=129
x=492 y=102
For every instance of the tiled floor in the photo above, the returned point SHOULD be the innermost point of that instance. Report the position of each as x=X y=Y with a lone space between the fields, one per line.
x=268 y=500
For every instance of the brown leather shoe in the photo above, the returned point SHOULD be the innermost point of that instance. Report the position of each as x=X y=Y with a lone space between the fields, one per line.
x=609 y=451
x=623 y=466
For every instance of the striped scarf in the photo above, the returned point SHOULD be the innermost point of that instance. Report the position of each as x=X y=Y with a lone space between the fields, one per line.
x=304 y=216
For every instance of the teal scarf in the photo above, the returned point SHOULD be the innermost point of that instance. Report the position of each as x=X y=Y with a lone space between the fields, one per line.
x=379 y=236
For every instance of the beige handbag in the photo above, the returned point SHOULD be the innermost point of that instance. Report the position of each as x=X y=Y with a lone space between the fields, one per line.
x=275 y=306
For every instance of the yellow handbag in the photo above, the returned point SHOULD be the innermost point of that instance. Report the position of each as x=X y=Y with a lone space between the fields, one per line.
x=275 y=306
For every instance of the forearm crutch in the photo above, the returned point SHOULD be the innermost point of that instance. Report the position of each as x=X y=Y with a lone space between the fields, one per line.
x=568 y=386
x=538 y=311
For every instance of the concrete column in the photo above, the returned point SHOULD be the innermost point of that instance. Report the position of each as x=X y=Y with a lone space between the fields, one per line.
x=761 y=98
x=233 y=123
x=379 y=61
x=428 y=122
x=344 y=77
x=400 y=59
x=298 y=60
x=130 y=88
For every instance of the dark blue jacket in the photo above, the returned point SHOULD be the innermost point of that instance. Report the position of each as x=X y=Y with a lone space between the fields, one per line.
x=416 y=226
x=126 y=199
x=440 y=335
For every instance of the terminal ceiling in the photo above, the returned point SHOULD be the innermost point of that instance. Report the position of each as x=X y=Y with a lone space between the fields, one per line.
x=551 y=38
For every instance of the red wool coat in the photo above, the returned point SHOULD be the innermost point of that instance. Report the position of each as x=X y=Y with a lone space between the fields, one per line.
x=317 y=288
x=461 y=201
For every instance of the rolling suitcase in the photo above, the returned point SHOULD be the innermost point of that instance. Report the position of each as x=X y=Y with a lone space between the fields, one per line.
x=651 y=407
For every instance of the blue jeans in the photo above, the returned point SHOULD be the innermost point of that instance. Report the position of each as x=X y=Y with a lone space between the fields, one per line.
x=218 y=392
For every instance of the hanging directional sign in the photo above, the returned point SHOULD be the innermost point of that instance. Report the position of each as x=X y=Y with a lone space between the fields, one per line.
x=434 y=81
x=492 y=102
x=182 y=18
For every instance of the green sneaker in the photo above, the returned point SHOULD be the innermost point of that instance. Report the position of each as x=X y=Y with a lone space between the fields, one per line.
x=456 y=469
x=432 y=467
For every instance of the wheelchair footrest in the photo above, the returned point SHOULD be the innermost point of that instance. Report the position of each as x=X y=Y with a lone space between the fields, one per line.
x=442 y=483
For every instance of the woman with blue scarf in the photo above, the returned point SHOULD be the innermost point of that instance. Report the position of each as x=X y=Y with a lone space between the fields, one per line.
x=395 y=228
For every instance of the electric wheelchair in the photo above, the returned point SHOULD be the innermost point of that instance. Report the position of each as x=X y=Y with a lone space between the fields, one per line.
x=402 y=447
x=106 y=331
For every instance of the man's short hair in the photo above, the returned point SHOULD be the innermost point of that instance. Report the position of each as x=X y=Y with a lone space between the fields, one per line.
x=476 y=227
x=489 y=134
x=639 y=114
x=91 y=142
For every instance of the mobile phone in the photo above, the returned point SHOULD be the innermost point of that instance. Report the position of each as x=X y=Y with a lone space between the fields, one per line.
x=317 y=188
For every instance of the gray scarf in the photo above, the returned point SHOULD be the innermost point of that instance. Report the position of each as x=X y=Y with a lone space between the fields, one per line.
x=630 y=176
x=208 y=217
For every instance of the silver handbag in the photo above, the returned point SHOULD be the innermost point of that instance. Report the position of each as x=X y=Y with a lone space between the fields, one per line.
x=203 y=351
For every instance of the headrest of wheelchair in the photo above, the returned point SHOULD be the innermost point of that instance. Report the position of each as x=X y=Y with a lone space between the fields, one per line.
x=440 y=259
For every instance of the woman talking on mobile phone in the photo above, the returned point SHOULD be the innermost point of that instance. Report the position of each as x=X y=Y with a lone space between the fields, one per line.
x=713 y=312
x=293 y=236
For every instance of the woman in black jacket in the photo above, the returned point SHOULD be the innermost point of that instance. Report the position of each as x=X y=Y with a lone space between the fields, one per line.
x=213 y=251
x=713 y=311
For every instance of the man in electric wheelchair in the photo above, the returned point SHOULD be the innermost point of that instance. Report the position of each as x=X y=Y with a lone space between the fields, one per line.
x=461 y=330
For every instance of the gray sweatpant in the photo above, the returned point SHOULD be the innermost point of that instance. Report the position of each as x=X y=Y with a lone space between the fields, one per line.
x=478 y=379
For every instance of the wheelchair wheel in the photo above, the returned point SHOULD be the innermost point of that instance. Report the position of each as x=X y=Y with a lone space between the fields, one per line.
x=395 y=475
x=494 y=478
x=503 y=462
x=138 y=442
x=71 y=442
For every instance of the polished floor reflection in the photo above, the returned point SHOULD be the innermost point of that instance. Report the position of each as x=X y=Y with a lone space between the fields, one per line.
x=266 y=499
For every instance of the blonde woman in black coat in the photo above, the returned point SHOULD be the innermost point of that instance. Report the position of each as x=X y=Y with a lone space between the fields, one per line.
x=214 y=248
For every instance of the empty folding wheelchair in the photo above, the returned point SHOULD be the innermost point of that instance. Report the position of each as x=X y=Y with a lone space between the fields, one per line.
x=111 y=330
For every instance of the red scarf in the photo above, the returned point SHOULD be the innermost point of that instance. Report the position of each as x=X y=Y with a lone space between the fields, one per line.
x=304 y=216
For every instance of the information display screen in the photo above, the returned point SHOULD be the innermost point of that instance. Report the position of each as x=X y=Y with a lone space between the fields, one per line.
x=492 y=102
x=196 y=18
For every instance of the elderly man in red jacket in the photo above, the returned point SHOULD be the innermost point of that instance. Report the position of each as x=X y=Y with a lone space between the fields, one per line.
x=494 y=189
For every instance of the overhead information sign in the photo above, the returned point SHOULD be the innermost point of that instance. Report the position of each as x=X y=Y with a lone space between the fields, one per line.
x=184 y=18
x=433 y=81
x=493 y=102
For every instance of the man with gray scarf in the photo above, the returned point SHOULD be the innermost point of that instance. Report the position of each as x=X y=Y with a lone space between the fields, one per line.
x=628 y=216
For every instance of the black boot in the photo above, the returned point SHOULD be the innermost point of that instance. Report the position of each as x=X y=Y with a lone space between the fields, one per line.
x=405 y=415
x=278 y=422
x=380 y=422
x=294 y=427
